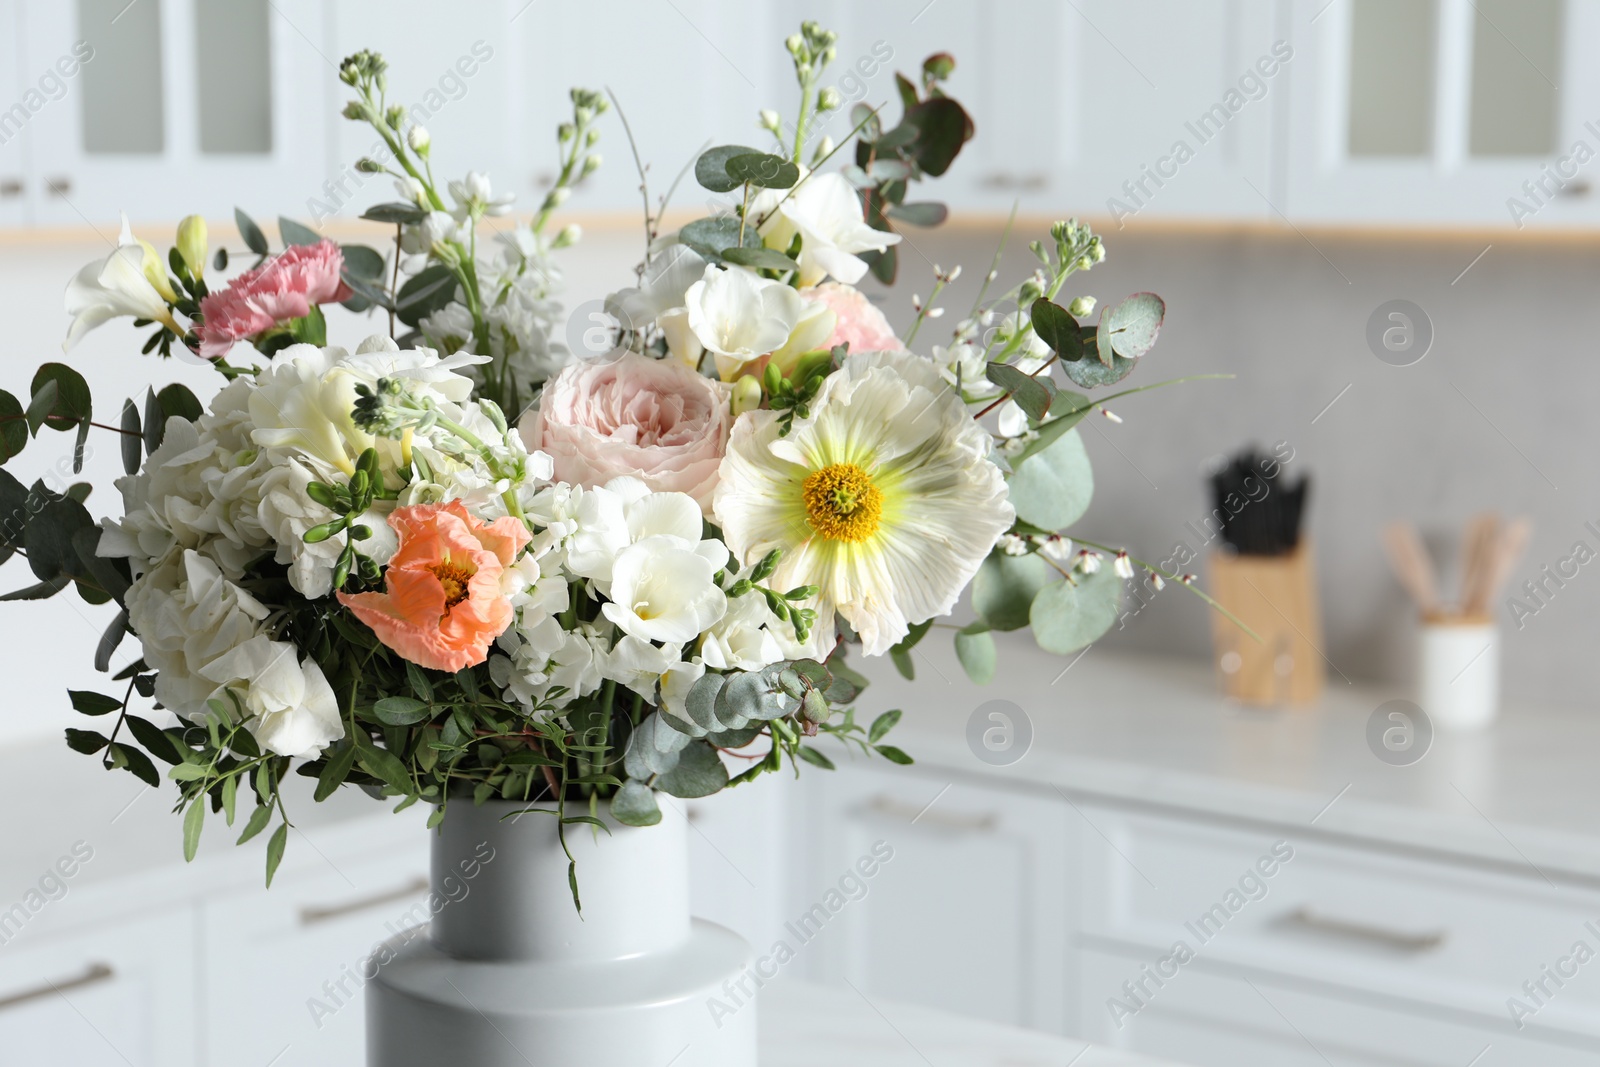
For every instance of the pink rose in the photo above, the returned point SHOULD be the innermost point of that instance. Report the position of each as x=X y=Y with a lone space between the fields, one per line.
x=655 y=420
x=860 y=324
x=281 y=289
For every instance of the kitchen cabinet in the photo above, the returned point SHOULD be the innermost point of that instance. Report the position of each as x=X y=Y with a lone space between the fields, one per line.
x=15 y=116
x=966 y=903
x=1443 y=111
x=174 y=107
x=120 y=994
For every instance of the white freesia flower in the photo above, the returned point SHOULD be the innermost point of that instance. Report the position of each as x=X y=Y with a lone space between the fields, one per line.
x=664 y=589
x=826 y=212
x=885 y=498
x=624 y=510
x=120 y=284
x=739 y=316
x=290 y=706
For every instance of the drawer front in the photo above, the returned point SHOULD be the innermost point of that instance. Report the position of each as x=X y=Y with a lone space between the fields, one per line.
x=935 y=892
x=121 y=995
x=1421 y=931
x=1213 y=1017
x=286 y=964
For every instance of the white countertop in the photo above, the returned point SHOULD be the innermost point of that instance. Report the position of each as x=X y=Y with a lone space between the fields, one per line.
x=806 y=1025
x=1152 y=731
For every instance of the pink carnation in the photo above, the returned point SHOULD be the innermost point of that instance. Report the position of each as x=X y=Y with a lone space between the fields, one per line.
x=655 y=420
x=283 y=288
x=860 y=324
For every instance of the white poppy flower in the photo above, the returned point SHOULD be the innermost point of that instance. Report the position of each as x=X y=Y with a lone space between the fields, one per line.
x=663 y=589
x=884 y=498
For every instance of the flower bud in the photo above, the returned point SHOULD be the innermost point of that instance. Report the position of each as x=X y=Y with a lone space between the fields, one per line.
x=419 y=139
x=746 y=395
x=824 y=149
x=556 y=197
x=368 y=165
x=591 y=163
x=565 y=132
x=1081 y=307
x=193 y=244
x=591 y=138
x=829 y=99
x=569 y=236
x=395 y=117
x=355 y=111
x=794 y=43
x=770 y=120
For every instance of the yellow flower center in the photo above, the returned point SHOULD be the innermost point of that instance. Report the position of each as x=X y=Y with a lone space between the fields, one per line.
x=453 y=576
x=841 y=502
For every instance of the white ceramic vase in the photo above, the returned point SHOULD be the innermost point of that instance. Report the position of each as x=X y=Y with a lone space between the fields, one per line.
x=511 y=976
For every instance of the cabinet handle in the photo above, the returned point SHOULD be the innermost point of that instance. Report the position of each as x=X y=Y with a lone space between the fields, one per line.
x=1031 y=183
x=320 y=914
x=1399 y=939
x=93 y=974
x=894 y=809
x=60 y=185
x=10 y=187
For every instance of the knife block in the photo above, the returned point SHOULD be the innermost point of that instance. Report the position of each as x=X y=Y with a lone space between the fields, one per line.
x=1276 y=596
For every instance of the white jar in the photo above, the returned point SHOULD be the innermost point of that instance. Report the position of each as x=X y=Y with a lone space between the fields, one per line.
x=1458 y=671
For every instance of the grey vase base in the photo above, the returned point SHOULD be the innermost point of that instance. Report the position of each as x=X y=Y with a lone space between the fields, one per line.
x=425 y=1008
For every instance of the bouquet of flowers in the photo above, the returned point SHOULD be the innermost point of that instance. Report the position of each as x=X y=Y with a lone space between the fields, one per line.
x=457 y=562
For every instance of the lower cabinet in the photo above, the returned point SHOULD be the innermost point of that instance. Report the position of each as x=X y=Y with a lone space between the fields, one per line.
x=118 y=994
x=286 y=965
x=924 y=888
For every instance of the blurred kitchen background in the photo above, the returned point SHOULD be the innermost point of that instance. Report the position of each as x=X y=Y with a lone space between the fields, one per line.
x=1337 y=156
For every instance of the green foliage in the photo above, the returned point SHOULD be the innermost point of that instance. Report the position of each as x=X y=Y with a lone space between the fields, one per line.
x=426 y=293
x=1052 y=487
x=1071 y=615
x=1033 y=393
x=1004 y=588
x=711 y=169
x=254 y=239
x=976 y=650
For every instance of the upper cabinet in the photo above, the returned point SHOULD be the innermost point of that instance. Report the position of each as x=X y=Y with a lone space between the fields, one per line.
x=15 y=116
x=172 y=107
x=1443 y=111
x=1394 y=112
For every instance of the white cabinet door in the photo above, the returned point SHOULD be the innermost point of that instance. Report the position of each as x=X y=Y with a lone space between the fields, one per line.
x=740 y=856
x=1443 y=111
x=285 y=965
x=16 y=115
x=177 y=107
x=922 y=889
x=121 y=994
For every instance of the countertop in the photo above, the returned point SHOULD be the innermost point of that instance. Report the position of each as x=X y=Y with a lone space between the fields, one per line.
x=804 y=1025
x=1149 y=731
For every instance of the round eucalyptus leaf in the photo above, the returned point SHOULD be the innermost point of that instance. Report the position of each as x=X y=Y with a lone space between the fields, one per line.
x=1004 y=588
x=711 y=169
x=1051 y=489
x=1068 y=617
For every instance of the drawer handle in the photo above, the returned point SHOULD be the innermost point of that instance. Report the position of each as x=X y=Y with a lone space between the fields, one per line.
x=10 y=187
x=1400 y=939
x=894 y=809
x=93 y=974
x=313 y=915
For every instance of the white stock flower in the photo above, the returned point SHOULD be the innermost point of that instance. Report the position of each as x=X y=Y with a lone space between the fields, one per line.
x=826 y=212
x=664 y=589
x=740 y=640
x=474 y=196
x=290 y=706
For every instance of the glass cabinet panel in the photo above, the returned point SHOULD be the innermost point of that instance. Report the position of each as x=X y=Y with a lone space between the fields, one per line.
x=123 y=104
x=234 y=63
x=1393 y=46
x=1516 y=66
